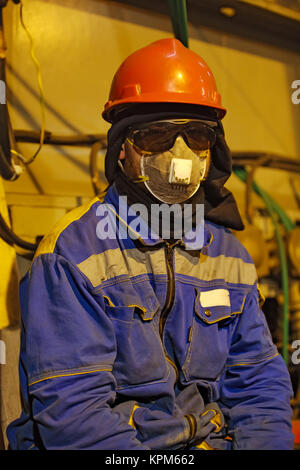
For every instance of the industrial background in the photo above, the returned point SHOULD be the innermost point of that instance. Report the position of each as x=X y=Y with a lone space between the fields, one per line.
x=57 y=60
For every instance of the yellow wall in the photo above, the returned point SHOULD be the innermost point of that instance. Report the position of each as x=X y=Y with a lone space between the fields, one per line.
x=80 y=44
x=9 y=302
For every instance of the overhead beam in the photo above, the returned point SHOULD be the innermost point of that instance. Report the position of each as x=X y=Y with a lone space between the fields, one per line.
x=248 y=21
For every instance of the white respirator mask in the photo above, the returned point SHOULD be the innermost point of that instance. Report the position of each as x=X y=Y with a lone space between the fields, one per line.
x=175 y=175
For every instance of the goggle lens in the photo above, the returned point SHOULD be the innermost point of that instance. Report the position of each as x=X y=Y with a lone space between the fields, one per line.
x=160 y=136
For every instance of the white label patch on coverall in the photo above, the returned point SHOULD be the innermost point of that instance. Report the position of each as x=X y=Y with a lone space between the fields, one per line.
x=214 y=298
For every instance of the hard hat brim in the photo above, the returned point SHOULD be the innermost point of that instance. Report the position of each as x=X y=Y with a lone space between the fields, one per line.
x=111 y=109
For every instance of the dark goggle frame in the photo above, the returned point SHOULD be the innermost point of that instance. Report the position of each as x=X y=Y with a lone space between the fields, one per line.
x=159 y=136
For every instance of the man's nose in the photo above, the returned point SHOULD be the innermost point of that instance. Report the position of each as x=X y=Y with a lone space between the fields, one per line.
x=180 y=148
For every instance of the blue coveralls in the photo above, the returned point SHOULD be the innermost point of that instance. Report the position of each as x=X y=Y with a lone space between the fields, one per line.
x=123 y=338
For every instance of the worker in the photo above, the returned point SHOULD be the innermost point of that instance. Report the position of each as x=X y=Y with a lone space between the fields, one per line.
x=142 y=330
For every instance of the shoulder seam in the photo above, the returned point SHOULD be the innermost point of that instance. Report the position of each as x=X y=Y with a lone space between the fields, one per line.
x=48 y=243
x=75 y=267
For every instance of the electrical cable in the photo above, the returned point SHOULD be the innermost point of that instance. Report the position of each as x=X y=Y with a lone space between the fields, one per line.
x=10 y=170
x=41 y=90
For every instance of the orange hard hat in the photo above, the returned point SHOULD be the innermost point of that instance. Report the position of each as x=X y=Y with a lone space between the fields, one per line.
x=163 y=72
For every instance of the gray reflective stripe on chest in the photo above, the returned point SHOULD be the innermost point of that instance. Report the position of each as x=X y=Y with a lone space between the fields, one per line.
x=114 y=263
x=205 y=268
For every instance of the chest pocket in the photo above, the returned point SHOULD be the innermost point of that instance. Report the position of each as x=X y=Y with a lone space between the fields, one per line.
x=215 y=311
x=140 y=357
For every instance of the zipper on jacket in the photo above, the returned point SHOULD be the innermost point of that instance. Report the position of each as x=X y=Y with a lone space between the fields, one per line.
x=169 y=249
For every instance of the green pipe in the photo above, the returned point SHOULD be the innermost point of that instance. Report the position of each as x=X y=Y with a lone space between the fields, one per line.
x=179 y=20
x=284 y=218
x=272 y=207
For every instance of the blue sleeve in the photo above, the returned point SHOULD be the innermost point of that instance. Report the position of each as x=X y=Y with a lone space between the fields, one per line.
x=68 y=353
x=256 y=388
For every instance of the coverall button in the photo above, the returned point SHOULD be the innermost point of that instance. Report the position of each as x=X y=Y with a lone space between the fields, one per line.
x=207 y=312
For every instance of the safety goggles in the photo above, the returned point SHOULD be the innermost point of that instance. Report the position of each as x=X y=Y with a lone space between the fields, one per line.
x=159 y=136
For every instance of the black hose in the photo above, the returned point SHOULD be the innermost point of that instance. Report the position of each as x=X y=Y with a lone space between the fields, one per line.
x=80 y=140
x=267 y=160
x=12 y=239
x=94 y=173
x=6 y=168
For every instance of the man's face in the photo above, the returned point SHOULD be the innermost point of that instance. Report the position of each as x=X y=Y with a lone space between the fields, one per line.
x=169 y=158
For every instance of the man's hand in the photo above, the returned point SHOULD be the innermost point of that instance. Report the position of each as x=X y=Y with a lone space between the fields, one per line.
x=211 y=420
